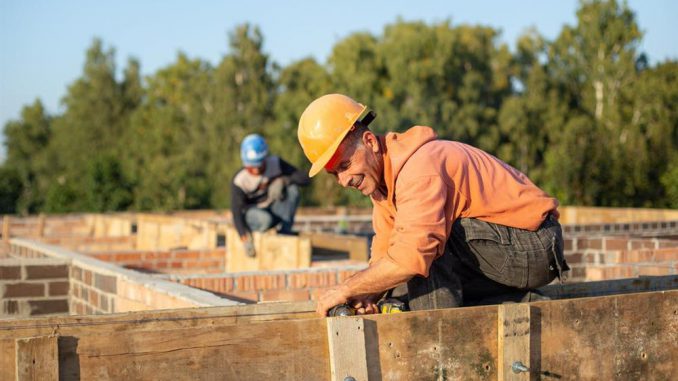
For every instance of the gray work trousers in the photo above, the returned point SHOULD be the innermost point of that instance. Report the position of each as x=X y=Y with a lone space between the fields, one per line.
x=487 y=263
x=280 y=212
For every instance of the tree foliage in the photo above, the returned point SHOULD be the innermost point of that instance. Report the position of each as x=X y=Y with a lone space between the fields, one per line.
x=583 y=115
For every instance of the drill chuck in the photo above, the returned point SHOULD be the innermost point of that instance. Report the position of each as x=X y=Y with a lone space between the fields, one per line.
x=341 y=310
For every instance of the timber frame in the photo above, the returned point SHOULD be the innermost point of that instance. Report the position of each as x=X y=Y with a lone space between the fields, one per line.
x=628 y=336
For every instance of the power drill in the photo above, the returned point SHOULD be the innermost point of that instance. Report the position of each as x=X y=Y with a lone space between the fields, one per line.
x=385 y=306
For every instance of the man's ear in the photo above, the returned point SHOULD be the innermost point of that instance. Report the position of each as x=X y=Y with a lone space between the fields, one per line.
x=370 y=140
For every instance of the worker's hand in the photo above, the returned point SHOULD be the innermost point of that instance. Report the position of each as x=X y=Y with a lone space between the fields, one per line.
x=248 y=245
x=366 y=305
x=330 y=298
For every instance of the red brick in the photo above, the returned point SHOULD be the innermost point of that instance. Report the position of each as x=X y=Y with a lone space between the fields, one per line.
x=641 y=244
x=76 y=273
x=186 y=255
x=156 y=255
x=93 y=298
x=616 y=243
x=635 y=256
x=284 y=295
x=87 y=277
x=568 y=244
x=259 y=282
x=589 y=243
x=10 y=272
x=58 y=288
x=46 y=271
x=590 y=258
x=18 y=290
x=665 y=255
x=106 y=283
x=608 y=272
x=574 y=258
x=312 y=279
x=43 y=307
x=103 y=303
x=128 y=257
x=226 y=284
x=653 y=270
x=9 y=307
x=79 y=308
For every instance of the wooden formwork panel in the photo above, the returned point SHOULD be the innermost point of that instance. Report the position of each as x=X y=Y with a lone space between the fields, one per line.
x=629 y=337
x=160 y=232
x=273 y=252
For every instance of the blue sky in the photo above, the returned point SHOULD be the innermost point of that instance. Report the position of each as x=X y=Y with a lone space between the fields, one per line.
x=43 y=42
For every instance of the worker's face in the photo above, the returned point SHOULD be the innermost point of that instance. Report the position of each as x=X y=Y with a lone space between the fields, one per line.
x=255 y=171
x=358 y=166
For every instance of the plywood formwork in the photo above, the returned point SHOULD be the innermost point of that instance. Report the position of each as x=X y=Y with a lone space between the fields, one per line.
x=166 y=232
x=631 y=336
x=273 y=252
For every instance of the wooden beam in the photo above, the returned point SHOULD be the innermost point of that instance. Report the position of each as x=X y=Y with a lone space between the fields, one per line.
x=583 y=339
x=513 y=338
x=611 y=287
x=37 y=359
x=348 y=357
x=41 y=225
x=5 y=229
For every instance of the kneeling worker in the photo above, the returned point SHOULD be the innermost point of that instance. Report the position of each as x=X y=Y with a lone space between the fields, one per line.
x=264 y=193
x=454 y=223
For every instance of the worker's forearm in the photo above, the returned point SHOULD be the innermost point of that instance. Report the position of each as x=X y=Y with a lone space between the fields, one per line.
x=380 y=276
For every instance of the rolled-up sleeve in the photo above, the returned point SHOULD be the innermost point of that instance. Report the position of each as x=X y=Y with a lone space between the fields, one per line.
x=419 y=229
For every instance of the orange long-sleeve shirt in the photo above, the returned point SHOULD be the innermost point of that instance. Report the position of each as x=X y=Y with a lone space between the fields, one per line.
x=433 y=182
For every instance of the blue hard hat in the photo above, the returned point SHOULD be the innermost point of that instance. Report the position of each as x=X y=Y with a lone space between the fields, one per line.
x=253 y=150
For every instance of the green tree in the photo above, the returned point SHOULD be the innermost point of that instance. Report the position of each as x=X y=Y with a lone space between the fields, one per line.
x=164 y=147
x=26 y=140
x=243 y=96
x=97 y=112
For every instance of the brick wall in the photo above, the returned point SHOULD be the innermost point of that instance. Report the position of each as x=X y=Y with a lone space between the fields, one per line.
x=92 y=244
x=269 y=286
x=31 y=287
x=171 y=261
x=92 y=292
x=601 y=258
x=98 y=287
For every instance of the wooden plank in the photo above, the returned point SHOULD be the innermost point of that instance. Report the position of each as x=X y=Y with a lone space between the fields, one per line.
x=274 y=252
x=41 y=225
x=621 y=337
x=160 y=319
x=294 y=350
x=5 y=229
x=348 y=358
x=37 y=359
x=584 y=339
x=449 y=344
x=513 y=338
x=611 y=287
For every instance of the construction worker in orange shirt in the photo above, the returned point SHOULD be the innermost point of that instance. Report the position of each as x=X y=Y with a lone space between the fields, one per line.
x=455 y=224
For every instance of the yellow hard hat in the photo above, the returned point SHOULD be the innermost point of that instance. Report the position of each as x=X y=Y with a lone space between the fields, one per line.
x=325 y=123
